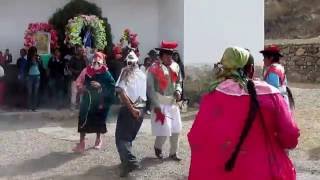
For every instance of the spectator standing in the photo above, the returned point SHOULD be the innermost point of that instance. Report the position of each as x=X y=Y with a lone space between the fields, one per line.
x=56 y=67
x=7 y=57
x=34 y=69
x=77 y=64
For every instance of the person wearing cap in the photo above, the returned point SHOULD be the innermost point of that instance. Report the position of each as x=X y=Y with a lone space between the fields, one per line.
x=243 y=128
x=164 y=90
x=274 y=72
x=131 y=88
x=97 y=86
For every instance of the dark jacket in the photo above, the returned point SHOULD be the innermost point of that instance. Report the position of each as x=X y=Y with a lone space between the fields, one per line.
x=76 y=66
x=22 y=65
x=56 y=68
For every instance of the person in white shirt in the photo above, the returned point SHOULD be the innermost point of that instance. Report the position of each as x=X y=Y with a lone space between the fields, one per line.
x=146 y=64
x=1 y=72
x=132 y=90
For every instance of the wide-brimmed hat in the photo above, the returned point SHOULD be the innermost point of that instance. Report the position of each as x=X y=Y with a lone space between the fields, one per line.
x=167 y=47
x=272 y=50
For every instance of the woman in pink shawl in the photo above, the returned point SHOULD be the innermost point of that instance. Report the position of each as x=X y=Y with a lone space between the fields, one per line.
x=243 y=128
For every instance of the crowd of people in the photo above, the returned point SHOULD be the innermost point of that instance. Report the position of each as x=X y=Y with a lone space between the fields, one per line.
x=53 y=81
x=243 y=130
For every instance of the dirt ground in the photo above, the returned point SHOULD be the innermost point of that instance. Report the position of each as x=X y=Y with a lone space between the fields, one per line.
x=38 y=146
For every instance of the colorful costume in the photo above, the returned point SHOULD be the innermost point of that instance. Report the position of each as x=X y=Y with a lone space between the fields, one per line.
x=132 y=83
x=2 y=85
x=220 y=121
x=97 y=86
x=163 y=82
x=274 y=74
x=95 y=103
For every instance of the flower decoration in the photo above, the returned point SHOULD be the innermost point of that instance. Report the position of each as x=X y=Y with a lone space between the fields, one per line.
x=29 y=38
x=75 y=25
x=130 y=39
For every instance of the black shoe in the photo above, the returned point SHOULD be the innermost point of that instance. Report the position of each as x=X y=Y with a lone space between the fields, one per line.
x=134 y=166
x=158 y=153
x=174 y=157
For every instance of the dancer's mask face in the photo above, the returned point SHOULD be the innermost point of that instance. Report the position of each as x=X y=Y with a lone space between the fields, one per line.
x=96 y=64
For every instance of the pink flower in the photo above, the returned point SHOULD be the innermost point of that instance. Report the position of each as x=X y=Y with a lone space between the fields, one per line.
x=127 y=31
x=117 y=50
x=134 y=43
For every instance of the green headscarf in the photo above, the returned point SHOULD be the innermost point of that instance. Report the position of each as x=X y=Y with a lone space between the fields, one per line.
x=233 y=61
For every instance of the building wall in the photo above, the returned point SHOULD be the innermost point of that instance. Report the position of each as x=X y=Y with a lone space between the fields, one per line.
x=203 y=28
x=171 y=22
x=212 y=25
x=15 y=15
x=142 y=16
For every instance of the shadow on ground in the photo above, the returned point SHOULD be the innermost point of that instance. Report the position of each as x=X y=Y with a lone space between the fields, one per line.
x=314 y=154
x=96 y=173
x=107 y=172
x=150 y=161
x=28 y=167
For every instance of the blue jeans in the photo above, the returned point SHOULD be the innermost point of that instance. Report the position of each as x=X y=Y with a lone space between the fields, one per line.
x=33 y=90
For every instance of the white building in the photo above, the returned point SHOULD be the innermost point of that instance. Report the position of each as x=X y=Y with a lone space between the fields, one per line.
x=203 y=28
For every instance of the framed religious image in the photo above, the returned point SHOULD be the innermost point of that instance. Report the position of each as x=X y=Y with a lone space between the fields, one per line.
x=42 y=40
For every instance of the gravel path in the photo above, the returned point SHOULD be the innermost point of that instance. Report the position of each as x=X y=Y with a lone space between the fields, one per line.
x=38 y=146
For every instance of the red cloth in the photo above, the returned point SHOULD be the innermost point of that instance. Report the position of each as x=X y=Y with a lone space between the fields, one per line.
x=91 y=71
x=162 y=79
x=160 y=116
x=278 y=70
x=216 y=132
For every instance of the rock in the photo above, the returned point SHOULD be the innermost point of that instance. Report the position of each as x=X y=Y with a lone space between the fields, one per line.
x=294 y=76
x=300 y=51
x=300 y=62
x=285 y=51
x=311 y=59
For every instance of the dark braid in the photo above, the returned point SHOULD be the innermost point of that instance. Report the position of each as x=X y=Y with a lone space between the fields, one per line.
x=254 y=108
x=291 y=98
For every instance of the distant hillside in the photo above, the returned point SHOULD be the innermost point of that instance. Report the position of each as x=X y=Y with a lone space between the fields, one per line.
x=289 y=19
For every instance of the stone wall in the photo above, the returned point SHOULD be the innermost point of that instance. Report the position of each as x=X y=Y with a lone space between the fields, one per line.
x=301 y=60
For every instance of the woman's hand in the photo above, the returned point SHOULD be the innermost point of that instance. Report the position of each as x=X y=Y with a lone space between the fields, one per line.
x=135 y=113
x=95 y=84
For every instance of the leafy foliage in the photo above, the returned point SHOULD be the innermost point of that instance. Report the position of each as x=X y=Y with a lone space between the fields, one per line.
x=75 y=8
